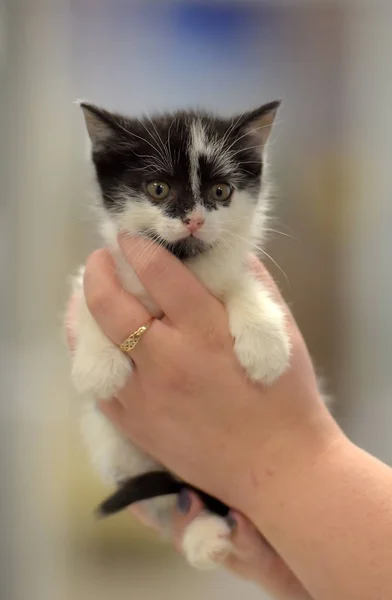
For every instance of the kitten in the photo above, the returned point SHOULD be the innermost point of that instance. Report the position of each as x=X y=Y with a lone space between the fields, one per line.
x=197 y=184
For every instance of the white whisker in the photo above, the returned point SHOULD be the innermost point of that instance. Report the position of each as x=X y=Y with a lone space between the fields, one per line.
x=259 y=249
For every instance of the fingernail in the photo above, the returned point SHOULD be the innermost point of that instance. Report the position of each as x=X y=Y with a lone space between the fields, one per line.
x=231 y=521
x=184 y=502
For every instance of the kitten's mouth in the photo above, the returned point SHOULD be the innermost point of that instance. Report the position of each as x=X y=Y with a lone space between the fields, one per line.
x=185 y=248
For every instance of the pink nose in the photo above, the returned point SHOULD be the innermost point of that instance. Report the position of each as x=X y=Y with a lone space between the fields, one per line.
x=193 y=224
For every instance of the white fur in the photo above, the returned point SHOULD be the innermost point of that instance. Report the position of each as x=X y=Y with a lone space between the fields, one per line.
x=256 y=322
x=206 y=541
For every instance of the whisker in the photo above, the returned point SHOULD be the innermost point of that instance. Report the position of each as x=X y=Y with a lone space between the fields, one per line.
x=252 y=245
x=164 y=147
x=231 y=128
x=246 y=134
x=131 y=133
x=282 y=233
x=157 y=149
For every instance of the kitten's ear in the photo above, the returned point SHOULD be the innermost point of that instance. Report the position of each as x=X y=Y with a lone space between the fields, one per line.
x=258 y=123
x=102 y=125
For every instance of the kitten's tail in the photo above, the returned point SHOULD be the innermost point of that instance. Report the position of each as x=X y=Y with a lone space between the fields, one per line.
x=152 y=485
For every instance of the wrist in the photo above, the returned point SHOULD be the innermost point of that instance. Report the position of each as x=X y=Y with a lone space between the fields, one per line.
x=287 y=462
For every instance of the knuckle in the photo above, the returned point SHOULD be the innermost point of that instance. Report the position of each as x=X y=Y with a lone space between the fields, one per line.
x=213 y=338
x=178 y=378
x=97 y=300
x=175 y=378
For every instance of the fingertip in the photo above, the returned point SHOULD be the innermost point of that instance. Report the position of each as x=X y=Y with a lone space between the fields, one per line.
x=182 y=518
x=140 y=514
x=247 y=538
x=100 y=259
x=243 y=529
x=184 y=501
x=188 y=503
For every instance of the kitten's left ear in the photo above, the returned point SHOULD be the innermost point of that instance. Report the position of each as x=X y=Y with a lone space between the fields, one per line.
x=258 y=123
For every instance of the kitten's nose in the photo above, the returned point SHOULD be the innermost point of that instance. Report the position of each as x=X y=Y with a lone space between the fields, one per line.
x=194 y=223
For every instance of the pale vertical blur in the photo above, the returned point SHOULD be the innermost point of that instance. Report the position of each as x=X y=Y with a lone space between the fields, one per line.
x=330 y=62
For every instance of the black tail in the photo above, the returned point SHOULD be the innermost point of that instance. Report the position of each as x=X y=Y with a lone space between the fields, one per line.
x=152 y=485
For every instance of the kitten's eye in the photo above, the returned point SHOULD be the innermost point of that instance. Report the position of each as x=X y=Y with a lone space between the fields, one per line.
x=158 y=190
x=221 y=191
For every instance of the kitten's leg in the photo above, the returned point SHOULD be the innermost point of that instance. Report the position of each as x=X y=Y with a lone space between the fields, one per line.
x=116 y=459
x=257 y=324
x=99 y=367
x=207 y=541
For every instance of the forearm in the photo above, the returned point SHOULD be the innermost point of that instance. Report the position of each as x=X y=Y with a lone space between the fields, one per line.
x=332 y=523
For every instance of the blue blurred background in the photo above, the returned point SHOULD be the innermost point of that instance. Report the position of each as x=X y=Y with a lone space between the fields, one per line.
x=330 y=62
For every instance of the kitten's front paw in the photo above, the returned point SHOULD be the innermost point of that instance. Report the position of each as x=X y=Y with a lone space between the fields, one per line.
x=206 y=543
x=261 y=342
x=101 y=371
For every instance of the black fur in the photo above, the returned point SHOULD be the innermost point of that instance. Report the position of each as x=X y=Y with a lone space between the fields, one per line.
x=183 y=249
x=133 y=156
x=151 y=485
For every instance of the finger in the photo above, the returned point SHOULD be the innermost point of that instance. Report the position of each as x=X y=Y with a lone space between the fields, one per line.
x=188 y=507
x=264 y=275
x=254 y=558
x=173 y=287
x=248 y=541
x=117 y=313
x=141 y=515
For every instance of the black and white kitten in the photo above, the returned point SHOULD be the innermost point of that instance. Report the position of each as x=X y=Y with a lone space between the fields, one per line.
x=197 y=184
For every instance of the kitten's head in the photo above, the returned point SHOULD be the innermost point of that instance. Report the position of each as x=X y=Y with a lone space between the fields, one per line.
x=188 y=180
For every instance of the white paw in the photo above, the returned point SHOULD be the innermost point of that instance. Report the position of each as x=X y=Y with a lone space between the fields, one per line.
x=261 y=343
x=101 y=371
x=206 y=542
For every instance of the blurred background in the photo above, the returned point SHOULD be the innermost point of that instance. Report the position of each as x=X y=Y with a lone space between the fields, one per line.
x=330 y=62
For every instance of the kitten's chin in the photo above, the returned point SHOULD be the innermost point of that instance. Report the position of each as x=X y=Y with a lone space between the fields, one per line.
x=184 y=249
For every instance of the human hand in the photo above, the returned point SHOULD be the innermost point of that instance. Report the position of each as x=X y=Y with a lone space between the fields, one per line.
x=252 y=558
x=206 y=407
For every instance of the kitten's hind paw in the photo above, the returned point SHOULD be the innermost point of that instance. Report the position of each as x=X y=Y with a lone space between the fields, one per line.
x=206 y=543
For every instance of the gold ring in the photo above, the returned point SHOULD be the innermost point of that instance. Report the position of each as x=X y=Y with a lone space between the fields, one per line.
x=129 y=344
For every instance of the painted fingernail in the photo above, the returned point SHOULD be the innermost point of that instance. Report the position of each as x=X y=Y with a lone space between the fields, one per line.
x=184 y=502
x=231 y=521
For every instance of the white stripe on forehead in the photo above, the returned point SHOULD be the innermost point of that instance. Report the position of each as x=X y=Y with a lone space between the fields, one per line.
x=201 y=144
x=198 y=146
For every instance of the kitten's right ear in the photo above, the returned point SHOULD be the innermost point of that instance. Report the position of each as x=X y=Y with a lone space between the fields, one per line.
x=101 y=125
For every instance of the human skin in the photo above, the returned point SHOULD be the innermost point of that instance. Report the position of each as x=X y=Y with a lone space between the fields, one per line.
x=275 y=455
x=252 y=557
